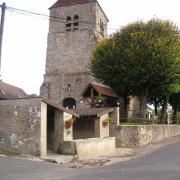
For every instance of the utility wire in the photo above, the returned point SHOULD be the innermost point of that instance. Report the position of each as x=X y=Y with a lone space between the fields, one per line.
x=53 y=18
x=56 y=18
x=30 y=15
x=47 y=17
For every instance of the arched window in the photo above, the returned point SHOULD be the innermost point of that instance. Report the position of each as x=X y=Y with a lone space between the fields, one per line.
x=69 y=103
x=68 y=22
x=76 y=20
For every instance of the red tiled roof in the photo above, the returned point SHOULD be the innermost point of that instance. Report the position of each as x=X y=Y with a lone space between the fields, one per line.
x=11 y=92
x=61 y=3
x=101 y=89
x=93 y=111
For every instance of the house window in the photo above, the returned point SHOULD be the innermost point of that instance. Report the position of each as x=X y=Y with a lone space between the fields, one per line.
x=76 y=20
x=68 y=22
x=69 y=88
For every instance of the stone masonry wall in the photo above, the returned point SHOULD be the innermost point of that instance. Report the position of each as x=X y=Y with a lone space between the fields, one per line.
x=56 y=88
x=20 y=125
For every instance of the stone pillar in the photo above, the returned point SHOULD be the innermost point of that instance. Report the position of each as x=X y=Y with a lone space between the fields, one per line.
x=104 y=129
x=43 y=133
x=68 y=130
x=58 y=129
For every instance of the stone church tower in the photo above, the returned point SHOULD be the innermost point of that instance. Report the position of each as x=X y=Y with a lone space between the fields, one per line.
x=74 y=29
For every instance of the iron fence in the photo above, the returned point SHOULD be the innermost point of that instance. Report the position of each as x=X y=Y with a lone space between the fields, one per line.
x=141 y=117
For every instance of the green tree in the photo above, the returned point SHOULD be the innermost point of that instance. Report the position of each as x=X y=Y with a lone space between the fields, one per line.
x=174 y=100
x=104 y=66
x=142 y=59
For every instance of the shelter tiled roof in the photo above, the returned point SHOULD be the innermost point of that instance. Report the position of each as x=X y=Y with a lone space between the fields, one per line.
x=10 y=92
x=61 y=3
x=93 y=111
x=101 y=89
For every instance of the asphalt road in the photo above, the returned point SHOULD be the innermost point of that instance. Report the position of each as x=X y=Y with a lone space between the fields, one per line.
x=161 y=164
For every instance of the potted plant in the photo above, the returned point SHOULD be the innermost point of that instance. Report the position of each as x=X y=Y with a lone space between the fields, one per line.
x=68 y=123
x=106 y=122
x=100 y=98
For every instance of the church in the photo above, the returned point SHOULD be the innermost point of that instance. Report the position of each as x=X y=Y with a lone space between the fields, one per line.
x=74 y=29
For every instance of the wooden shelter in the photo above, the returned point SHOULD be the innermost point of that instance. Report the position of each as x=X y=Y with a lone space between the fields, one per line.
x=99 y=95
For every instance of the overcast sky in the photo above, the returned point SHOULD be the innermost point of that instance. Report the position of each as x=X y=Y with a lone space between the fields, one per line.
x=25 y=37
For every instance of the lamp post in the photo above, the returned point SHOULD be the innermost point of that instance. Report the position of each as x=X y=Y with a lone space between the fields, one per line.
x=118 y=114
x=168 y=120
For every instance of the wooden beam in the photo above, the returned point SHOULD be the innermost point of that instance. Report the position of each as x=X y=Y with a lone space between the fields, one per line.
x=92 y=97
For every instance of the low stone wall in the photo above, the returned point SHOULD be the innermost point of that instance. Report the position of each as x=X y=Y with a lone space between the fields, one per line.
x=134 y=136
x=89 y=147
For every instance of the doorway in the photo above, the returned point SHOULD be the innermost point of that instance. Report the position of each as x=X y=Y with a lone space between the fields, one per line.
x=50 y=127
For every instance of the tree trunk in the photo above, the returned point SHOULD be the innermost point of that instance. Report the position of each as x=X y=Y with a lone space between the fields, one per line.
x=145 y=100
x=126 y=102
x=144 y=107
x=164 y=110
x=175 y=114
x=92 y=98
x=156 y=109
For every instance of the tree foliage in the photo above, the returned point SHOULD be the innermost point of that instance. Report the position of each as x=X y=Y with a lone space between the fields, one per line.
x=142 y=59
x=174 y=100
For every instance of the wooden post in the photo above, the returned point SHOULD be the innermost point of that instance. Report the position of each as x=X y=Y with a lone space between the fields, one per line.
x=92 y=97
x=3 y=8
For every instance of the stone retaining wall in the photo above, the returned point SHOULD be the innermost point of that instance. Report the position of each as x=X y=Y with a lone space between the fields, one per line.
x=134 y=136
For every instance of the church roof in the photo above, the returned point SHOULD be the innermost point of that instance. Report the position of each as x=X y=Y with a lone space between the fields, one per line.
x=61 y=3
x=10 y=92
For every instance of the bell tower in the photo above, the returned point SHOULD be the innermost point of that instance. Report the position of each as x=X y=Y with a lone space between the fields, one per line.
x=75 y=27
